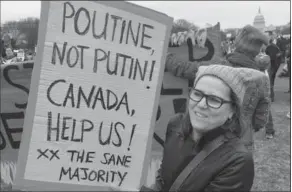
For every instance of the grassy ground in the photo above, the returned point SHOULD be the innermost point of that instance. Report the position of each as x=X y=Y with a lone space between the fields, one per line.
x=272 y=157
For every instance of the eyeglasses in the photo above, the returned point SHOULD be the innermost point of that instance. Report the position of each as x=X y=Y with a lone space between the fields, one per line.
x=211 y=100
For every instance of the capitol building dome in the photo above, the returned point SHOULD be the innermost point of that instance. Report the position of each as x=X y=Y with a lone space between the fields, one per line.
x=259 y=21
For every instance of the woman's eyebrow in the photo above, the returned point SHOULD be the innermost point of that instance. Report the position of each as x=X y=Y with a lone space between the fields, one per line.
x=212 y=94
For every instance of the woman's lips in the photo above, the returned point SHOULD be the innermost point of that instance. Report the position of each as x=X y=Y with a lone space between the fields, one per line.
x=201 y=115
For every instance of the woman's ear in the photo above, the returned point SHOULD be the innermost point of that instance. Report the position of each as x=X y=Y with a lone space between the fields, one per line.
x=232 y=113
x=230 y=116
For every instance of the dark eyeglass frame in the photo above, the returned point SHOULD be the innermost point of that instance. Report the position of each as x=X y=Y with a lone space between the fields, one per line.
x=222 y=101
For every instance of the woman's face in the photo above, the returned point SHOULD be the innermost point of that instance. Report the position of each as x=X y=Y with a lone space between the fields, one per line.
x=204 y=118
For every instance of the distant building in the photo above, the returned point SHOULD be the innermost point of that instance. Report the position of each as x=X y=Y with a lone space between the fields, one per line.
x=259 y=21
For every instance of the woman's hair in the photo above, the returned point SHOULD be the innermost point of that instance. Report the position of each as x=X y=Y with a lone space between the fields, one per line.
x=233 y=124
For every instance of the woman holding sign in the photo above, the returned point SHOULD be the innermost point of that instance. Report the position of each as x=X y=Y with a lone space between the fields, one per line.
x=203 y=150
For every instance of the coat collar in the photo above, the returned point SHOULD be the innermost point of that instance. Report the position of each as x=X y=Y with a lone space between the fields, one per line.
x=207 y=137
x=238 y=59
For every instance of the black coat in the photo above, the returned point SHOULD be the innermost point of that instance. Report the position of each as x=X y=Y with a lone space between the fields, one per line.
x=282 y=43
x=273 y=51
x=229 y=168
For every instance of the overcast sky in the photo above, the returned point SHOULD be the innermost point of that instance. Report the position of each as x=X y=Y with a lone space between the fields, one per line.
x=229 y=13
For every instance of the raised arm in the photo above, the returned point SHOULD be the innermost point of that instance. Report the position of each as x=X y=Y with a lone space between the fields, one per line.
x=186 y=69
x=181 y=68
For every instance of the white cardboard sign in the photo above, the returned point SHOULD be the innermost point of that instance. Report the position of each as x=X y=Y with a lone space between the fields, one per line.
x=93 y=98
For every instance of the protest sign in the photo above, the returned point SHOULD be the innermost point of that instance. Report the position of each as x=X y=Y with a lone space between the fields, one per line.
x=15 y=84
x=9 y=53
x=93 y=98
x=20 y=55
x=201 y=45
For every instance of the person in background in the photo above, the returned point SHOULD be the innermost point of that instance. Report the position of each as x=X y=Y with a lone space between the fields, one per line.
x=289 y=72
x=224 y=47
x=288 y=54
x=285 y=72
x=275 y=55
x=281 y=44
x=29 y=56
x=264 y=62
x=217 y=115
x=263 y=49
x=3 y=50
x=248 y=44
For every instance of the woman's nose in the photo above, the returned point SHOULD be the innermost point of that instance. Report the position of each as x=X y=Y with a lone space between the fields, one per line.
x=202 y=103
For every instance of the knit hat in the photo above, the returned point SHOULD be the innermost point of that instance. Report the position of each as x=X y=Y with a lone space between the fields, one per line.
x=247 y=84
x=263 y=61
x=250 y=41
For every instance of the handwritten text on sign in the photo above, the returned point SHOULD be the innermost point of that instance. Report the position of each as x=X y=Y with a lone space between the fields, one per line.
x=15 y=82
x=96 y=95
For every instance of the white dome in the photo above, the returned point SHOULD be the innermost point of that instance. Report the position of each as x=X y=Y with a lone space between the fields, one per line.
x=259 y=20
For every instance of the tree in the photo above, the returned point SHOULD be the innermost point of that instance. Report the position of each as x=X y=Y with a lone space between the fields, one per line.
x=182 y=25
x=25 y=28
x=29 y=27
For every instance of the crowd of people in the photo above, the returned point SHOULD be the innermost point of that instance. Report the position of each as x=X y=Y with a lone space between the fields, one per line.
x=227 y=46
x=11 y=54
